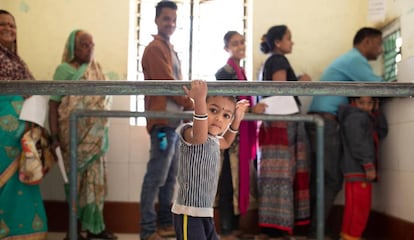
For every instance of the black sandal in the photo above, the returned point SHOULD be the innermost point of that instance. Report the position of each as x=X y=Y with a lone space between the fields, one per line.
x=104 y=235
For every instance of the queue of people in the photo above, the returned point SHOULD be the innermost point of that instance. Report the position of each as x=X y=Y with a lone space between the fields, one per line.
x=214 y=159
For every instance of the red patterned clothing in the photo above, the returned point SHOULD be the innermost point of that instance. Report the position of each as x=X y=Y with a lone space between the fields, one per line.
x=12 y=66
x=283 y=178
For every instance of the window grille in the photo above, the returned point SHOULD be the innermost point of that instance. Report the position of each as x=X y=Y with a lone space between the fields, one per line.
x=392 y=55
x=198 y=38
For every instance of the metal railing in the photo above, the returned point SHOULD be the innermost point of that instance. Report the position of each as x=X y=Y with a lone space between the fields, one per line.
x=256 y=88
x=215 y=88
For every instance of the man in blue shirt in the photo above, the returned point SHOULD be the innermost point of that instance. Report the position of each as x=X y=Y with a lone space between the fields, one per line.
x=351 y=66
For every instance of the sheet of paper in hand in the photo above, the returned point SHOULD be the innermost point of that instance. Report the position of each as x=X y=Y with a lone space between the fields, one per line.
x=281 y=105
x=35 y=110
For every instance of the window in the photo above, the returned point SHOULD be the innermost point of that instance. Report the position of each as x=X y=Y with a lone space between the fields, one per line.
x=198 y=38
x=392 y=42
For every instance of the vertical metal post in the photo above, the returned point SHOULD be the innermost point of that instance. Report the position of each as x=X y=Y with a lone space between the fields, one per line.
x=190 y=59
x=73 y=196
x=319 y=181
x=73 y=180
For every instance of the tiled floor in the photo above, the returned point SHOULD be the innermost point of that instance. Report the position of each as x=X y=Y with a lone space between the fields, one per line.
x=61 y=236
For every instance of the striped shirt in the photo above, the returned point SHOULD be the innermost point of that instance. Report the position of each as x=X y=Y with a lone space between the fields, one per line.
x=198 y=173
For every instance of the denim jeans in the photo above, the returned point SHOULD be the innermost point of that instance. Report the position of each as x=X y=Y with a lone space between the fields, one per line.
x=333 y=178
x=159 y=181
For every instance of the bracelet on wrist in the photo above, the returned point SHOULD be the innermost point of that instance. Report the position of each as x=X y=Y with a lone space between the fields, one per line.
x=200 y=117
x=233 y=130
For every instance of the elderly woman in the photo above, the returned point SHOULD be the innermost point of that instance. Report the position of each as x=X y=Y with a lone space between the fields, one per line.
x=78 y=64
x=22 y=214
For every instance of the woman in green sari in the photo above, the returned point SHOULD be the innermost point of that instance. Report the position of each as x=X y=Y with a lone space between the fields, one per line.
x=78 y=64
x=22 y=214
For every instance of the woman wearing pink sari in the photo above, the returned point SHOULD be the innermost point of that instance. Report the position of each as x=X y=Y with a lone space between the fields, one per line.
x=236 y=189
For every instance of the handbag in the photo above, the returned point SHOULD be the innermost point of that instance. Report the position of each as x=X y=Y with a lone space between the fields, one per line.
x=37 y=157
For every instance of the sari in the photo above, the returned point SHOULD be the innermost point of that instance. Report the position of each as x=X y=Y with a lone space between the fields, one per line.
x=283 y=182
x=22 y=213
x=92 y=133
x=246 y=149
x=283 y=168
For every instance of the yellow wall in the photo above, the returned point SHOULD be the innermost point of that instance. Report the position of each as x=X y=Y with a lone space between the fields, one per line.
x=321 y=30
x=43 y=27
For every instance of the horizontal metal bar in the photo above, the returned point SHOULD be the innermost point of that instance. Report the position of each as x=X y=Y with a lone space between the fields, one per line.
x=176 y=115
x=252 y=88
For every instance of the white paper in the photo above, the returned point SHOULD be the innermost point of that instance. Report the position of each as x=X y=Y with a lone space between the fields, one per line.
x=61 y=165
x=280 y=105
x=35 y=109
x=376 y=10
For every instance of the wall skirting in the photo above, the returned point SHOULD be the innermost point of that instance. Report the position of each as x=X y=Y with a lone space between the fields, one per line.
x=124 y=217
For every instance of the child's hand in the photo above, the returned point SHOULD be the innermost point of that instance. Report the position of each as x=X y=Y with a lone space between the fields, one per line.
x=198 y=90
x=371 y=174
x=241 y=108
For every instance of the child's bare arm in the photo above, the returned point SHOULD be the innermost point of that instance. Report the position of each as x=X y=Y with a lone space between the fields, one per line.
x=230 y=134
x=199 y=132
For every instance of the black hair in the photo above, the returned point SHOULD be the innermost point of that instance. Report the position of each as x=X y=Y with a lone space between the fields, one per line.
x=164 y=4
x=228 y=36
x=231 y=98
x=268 y=40
x=366 y=32
x=2 y=11
x=354 y=98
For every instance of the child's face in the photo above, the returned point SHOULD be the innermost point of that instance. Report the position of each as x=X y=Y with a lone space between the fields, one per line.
x=365 y=103
x=220 y=114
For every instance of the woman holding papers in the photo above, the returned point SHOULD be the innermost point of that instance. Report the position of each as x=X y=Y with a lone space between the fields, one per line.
x=234 y=194
x=283 y=184
x=22 y=214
